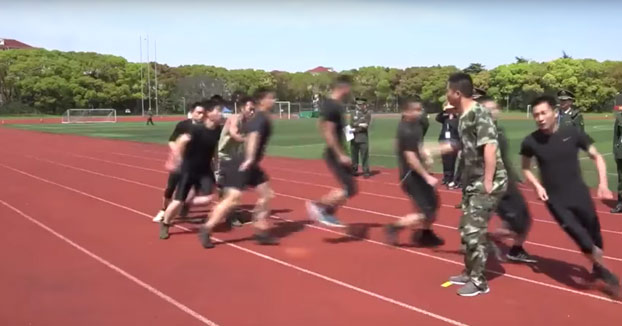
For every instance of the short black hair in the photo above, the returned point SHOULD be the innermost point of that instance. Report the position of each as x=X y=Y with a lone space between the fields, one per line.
x=217 y=98
x=341 y=80
x=411 y=100
x=461 y=82
x=262 y=92
x=195 y=105
x=485 y=98
x=245 y=99
x=550 y=100
x=210 y=105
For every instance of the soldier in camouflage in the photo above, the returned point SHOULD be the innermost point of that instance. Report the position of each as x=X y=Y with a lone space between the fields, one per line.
x=485 y=181
x=617 y=154
x=361 y=120
x=568 y=115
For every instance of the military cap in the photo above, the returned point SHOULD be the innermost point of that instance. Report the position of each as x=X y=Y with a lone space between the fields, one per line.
x=565 y=95
x=360 y=100
x=478 y=92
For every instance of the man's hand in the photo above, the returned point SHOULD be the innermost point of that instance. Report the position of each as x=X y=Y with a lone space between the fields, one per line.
x=488 y=186
x=542 y=193
x=345 y=160
x=603 y=192
x=432 y=181
x=247 y=164
x=172 y=162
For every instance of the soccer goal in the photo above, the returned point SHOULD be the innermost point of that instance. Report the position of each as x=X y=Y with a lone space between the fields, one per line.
x=89 y=116
x=283 y=109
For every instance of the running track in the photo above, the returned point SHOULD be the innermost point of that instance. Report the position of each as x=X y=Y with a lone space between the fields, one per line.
x=79 y=249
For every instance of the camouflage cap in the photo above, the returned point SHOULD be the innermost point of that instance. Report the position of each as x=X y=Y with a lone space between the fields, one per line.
x=478 y=92
x=564 y=95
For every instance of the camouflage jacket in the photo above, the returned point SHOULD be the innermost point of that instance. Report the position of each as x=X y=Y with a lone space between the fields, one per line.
x=572 y=118
x=477 y=128
x=359 y=117
x=505 y=157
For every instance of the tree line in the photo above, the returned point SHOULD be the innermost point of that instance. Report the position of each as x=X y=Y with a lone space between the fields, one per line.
x=52 y=81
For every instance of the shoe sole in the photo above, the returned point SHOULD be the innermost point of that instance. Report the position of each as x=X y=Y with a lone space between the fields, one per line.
x=331 y=224
x=457 y=283
x=474 y=293
x=313 y=211
x=518 y=260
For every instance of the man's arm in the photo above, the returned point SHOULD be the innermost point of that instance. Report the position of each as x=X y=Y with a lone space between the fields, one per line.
x=490 y=165
x=579 y=122
x=328 y=129
x=251 y=146
x=601 y=166
x=616 y=130
x=531 y=178
x=234 y=131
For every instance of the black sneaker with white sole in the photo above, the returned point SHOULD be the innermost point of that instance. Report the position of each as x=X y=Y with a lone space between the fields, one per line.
x=518 y=254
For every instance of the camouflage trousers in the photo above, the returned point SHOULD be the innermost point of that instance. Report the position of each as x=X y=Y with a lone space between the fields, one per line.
x=477 y=208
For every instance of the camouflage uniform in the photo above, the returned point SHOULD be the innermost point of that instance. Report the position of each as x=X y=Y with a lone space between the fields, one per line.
x=360 y=143
x=476 y=128
x=573 y=116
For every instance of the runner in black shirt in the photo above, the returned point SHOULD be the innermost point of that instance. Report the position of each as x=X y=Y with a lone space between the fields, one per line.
x=512 y=208
x=564 y=191
x=415 y=179
x=241 y=172
x=332 y=124
x=197 y=149
x=173 y=162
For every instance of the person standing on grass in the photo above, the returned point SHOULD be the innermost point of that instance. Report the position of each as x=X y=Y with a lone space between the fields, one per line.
x=244 y=170
x=197 y=149
x=485 y=181
x=569 y=115
x=555 y=148
x=449 y=132
x=617 y=154
x=361 y=121
x=231 y=145
x=415 y=180
x=512 y=207
x=332 y=125
x=197 y=112
x=150 y=118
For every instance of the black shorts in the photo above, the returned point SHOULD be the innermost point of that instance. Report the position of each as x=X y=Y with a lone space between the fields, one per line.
x=171 y=184
x=232 y=177
x=423 y=196
x=513 y=211
x=203 y=184
x=343 y=173
x=577 y=216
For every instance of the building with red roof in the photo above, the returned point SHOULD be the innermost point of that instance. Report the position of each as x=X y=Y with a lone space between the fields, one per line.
x=10 y=44
x=320 y=69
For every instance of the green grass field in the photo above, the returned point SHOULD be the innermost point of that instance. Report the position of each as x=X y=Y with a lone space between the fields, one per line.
x=300 y=139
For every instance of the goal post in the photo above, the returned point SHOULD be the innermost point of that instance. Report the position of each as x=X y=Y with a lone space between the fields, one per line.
x=89 y=116
x=283 y=108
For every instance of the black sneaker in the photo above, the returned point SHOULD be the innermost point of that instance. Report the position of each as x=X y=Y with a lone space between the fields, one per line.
x=264 y=238
x=164 y=231
x=391 y=231
x=426 y=238
x=612 y=281
x=518 y=254
x=617 y=209
x=205 y=238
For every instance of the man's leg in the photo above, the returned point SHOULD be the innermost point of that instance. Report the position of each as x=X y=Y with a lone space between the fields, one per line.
x=230 y=200
x=364 y=149
x=186 y=182
x=324 y=209
x=261 y=214
x=513 y=211
x=474 y=231
x=354 y=155
x=618 y=208
x=171 y=185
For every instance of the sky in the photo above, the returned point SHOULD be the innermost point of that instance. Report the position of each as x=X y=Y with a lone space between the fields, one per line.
x=300 y=35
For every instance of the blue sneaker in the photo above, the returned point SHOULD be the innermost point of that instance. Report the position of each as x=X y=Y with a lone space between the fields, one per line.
x=318 y=214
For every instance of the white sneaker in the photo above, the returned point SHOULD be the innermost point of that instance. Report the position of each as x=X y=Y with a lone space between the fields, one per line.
x=159 y=217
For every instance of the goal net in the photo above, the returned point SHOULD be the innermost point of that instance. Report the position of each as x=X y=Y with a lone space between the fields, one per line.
x=282 y=109
x=89 y=116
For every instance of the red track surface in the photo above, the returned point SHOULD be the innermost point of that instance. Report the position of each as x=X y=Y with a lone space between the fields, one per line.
x=79 y=249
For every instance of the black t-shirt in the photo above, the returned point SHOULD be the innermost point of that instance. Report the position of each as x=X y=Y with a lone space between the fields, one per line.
x=262 y=124
x=332 y=111
x=200 y=149
x=182 y=127
x=409 y=138
x=557 y=157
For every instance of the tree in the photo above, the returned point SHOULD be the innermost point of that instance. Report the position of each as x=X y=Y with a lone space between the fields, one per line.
x=474 y=69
